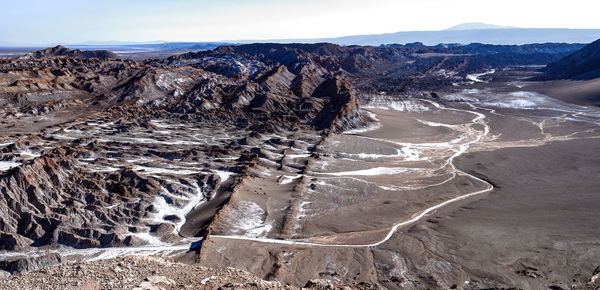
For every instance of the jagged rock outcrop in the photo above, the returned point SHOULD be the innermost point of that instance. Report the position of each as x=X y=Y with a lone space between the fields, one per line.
x=24 y=265
x=39 y=84
x=392 y=68
x=52 y=200
x=13 y=242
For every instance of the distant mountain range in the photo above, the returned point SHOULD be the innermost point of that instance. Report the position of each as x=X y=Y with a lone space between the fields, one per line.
x=152 y=46
x=478 y=25
x=464 y=34
x=460 y=34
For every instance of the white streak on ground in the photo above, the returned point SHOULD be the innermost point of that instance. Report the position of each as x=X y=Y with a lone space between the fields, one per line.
x=371 y=171
x=6 y=165
x=28 y=154
x=94 y=254
x=436 y=124
x=157 y=170
x=372 y=155
x=297 y=156
x=288 y=179
x=475 y=77
x=247 y=218
x=166 y=209
x=224 y=175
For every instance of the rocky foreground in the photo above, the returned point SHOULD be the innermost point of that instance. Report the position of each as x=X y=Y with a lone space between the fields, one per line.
x=137 y=272
x=147 y=272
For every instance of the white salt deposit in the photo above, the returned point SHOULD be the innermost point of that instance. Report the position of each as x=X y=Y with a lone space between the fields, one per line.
x=166 y=209
x=6 y=165
x=28 y=154
x=224 y=175
x=476 y=77
x=156 y=170
x=248 y=219
x=288 y=179
x=413 y=106
x=371 y=171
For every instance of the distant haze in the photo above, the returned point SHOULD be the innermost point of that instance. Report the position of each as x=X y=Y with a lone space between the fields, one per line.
x=42 y=22
x=477 y=25
x=492 y=35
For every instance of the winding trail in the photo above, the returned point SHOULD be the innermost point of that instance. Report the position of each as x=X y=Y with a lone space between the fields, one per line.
x=462 y=148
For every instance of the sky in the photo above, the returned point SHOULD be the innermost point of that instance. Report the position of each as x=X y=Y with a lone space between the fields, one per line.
x=44 y=22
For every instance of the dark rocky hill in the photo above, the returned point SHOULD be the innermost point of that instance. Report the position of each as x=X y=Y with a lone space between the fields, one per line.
x=74 y=53
x=583 y=64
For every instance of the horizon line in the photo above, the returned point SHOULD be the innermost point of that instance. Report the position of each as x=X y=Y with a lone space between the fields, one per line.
x=273 y=40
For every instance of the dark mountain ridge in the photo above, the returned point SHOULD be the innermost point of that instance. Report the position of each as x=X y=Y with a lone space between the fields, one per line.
x=73 y=53
x=500 y=36
x=583 y=64
x=383 y=68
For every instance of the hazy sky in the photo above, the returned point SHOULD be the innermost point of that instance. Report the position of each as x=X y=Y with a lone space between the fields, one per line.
x=74 y=21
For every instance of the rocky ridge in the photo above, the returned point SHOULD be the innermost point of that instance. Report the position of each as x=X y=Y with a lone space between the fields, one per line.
x=390 y=68
x=583 y=64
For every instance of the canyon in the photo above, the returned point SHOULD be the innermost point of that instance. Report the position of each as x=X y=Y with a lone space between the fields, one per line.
x=398 y=166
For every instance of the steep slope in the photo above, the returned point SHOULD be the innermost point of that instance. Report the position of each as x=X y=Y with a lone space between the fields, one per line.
x=583 y=64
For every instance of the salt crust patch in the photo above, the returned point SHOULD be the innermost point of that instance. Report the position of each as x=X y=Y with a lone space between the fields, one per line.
x=6 y=165
x=247 y=219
